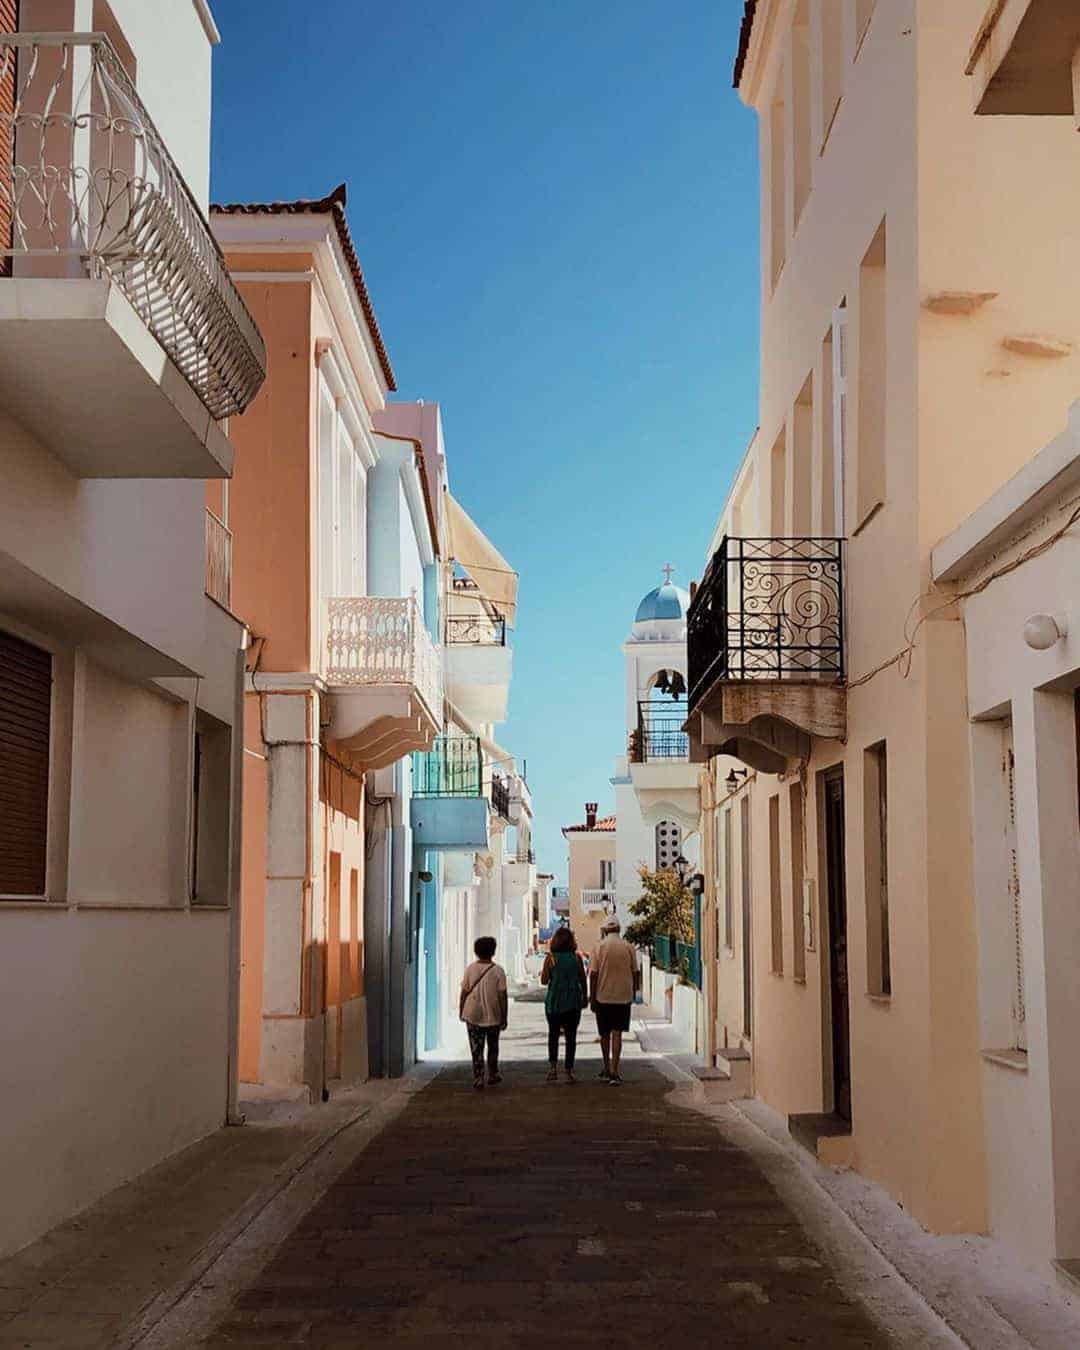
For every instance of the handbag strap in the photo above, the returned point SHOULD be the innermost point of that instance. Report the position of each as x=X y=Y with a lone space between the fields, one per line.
x=477 y=982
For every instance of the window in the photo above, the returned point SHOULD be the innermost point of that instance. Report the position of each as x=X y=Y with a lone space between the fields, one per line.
x=798 y=934
x=833 y=424
x=729 y=885
x=668 y=845
x=777 y=191
x=342 y=502
x=211 y=811
x=802 y=458
x=832 y=64
x=25 y=724
x=607 y=874
x=800 y=122
x=778 y=485
x=326 y=494
x=776 y=911
x=876 y=862
x=873 y=371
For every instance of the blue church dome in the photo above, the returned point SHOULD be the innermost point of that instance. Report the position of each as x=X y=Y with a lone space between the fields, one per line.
x=666 y=602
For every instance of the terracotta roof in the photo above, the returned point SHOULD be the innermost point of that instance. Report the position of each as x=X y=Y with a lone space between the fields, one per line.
x=333 y=205
x=603 y=823
x=749 y=6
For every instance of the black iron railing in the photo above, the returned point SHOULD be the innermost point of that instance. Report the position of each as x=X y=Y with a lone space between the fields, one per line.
x=475 y=630
x=768 y=609
x=453 y=767
x=660 y=732
x=500 y=797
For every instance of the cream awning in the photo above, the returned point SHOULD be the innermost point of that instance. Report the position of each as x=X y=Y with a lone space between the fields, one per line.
x=471 y=549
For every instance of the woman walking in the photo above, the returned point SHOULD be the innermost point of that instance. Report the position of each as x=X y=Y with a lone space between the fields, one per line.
x=567 y=994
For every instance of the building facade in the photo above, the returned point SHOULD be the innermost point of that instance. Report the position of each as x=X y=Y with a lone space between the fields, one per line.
x=120 y=678
x=915 y=356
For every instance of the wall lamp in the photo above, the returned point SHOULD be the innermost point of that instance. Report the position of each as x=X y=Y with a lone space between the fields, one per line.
x=1043 y=631
x=733 y=777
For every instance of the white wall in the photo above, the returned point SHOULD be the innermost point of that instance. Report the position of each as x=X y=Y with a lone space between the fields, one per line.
x=113 y=1040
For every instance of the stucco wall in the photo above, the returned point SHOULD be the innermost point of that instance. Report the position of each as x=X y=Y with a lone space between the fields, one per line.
x=127 y=1060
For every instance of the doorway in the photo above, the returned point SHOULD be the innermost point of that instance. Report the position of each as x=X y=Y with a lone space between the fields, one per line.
x=747 y=963
x=838 y=957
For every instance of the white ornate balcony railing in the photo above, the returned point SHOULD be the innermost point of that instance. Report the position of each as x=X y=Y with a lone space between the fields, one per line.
x=597 y=898
x=378 y=640
x=88 y=188
x=218 y=560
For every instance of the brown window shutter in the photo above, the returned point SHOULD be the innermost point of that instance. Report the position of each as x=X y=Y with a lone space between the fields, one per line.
x=25 y=700
x=9 y=23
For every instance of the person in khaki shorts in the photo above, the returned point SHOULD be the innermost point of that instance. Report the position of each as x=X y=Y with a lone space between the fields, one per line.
x=614 y=978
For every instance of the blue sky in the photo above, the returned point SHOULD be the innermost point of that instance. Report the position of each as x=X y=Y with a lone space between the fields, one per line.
x=555 y=205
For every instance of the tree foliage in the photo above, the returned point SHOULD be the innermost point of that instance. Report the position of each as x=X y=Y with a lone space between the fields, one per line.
x=665 y=906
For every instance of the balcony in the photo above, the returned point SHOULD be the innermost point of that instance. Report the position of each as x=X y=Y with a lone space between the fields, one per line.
x=765 y=645
x=449 y=811
x=384 y=676
x=598 y=899
x=665 y=781
x=1022 y=57
x=123 y=341
x=218 y=560
x=478 y=660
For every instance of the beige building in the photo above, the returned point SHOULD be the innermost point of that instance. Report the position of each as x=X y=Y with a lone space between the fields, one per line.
x=591 y=854
x=917 y=353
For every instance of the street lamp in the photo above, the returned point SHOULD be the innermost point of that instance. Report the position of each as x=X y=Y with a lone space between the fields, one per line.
x=681 y=867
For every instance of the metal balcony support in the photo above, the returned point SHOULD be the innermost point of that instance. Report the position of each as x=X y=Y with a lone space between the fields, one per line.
x=88 y=188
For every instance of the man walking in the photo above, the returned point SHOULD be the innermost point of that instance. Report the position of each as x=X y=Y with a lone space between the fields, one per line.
x=483 y=1008
x=614 y=978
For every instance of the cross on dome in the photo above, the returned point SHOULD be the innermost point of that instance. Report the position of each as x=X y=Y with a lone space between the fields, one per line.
x=667 y=570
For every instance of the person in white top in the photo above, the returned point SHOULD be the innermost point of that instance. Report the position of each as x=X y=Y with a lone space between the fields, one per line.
x=483 y=1008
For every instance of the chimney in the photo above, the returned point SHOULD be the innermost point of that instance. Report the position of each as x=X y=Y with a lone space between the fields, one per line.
x=590 y=815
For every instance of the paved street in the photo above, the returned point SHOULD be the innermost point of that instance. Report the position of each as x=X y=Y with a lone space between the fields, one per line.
x=539 y=1215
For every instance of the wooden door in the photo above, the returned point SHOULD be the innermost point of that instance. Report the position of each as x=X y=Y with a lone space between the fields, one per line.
x=838 y=956
x=747 y=962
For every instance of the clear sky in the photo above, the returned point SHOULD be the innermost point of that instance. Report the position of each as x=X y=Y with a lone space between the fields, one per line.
x=555 y=206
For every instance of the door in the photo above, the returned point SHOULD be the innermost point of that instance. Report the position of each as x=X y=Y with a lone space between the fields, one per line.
x=747 y=964
x=838 y=960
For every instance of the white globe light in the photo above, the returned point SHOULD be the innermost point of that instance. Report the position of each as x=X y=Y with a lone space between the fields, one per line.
x=1042 y=631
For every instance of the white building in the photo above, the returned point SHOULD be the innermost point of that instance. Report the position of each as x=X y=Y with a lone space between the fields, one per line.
x=657 y=807
x=120 y=681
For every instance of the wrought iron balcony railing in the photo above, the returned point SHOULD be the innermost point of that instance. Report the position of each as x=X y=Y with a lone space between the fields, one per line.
x=768 y=609
x=218 y=560
x=660 y=734
x=475 y=630
x=381 y=640
x=88 y=188
x=453 y=767
x=500 y=797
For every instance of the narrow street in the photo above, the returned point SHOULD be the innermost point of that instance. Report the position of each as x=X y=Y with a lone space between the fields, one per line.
x=540 y=1214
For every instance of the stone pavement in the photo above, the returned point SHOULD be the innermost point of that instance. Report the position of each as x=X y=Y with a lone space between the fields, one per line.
x=535 y=1214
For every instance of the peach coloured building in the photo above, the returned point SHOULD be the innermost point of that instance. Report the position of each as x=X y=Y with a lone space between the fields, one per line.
x=918 y=351
x=333 y=538
x=591 y=859
x=124 y=347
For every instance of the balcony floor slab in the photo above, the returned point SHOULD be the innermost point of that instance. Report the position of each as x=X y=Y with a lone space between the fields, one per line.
x=82 y=372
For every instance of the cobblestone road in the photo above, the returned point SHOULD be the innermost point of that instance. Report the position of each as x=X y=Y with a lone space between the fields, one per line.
x=548 y=1215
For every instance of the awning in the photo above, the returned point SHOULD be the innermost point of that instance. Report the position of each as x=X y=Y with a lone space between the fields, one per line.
x=473 y=550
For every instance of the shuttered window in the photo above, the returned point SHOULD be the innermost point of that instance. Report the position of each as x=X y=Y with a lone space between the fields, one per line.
x=25 y=697
x=9 y=23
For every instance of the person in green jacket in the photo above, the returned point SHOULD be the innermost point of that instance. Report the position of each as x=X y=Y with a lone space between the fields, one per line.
x=567 y=994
